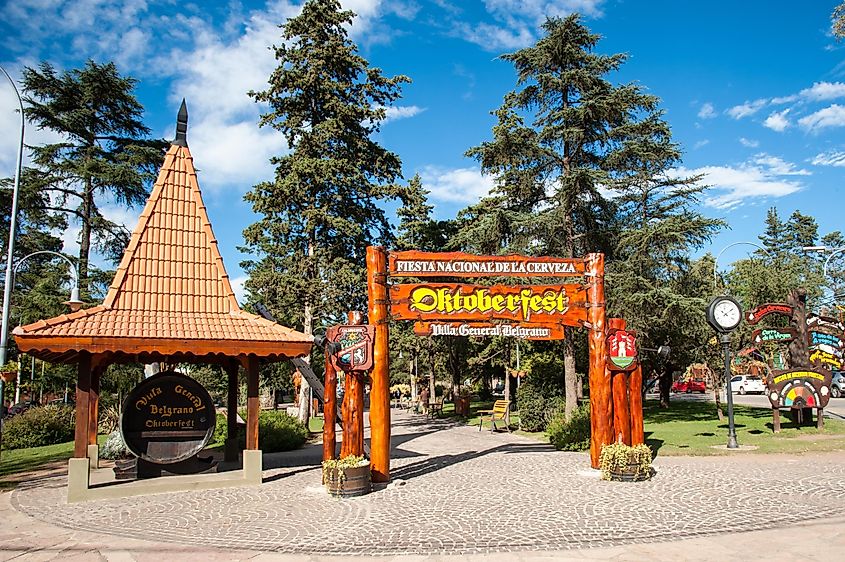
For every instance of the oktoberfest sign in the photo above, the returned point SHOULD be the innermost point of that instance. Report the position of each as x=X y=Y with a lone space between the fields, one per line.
x=525 y=330
x=355 y=342
x=756 y=314
x=799 y=388
x=555 y=304
x=622 y=350
x=457 y=264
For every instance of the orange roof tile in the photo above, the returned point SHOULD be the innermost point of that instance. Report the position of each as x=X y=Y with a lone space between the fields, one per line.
x=171 y=285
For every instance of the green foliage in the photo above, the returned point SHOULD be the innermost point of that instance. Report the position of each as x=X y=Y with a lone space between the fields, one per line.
x=536 y=409
x=325 y=204
x=572 y=434
x=115 y=447
x=44 y=425
x=277 y=431
x=104 y=154
x=838 y=21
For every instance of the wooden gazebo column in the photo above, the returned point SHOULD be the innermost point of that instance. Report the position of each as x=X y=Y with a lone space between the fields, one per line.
x=98 y=367
x=252 y=455
x=83 y=394
x=230 y=452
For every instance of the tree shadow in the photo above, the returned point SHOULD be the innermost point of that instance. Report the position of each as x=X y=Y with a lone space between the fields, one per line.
x=433 y=464
x=654 y=444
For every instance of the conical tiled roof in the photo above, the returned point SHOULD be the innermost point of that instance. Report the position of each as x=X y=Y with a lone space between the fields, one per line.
x=171 y=293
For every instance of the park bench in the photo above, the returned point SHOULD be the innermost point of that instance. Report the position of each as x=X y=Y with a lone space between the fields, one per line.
x=435 y=406
x=500 y=412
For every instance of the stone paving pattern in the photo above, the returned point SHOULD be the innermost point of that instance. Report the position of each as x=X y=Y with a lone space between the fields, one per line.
x=460 y=491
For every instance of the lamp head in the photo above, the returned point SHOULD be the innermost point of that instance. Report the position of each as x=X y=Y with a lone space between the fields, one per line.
x=74 y=303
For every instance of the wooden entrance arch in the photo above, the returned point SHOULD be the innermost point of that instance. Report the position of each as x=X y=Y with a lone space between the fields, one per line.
x=538 y=312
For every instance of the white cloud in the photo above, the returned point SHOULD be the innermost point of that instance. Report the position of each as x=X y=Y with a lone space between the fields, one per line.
x=395 y=113
x=701 y=143
x=707 y=111
x=538 y=10
x=764 y=176
x=238 y=287
x=496 y=38
x=750 y=143
x=823 y=91
x=460 y=185
x=746 y=109
x=777 y=121
x=832 y=116
x=831 y=158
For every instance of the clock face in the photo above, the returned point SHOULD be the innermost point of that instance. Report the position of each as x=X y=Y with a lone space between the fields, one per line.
x=727 y=314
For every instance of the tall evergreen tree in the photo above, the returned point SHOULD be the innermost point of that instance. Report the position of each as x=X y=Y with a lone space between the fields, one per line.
x=321 y=210
x=550 y=170
x=105 y=155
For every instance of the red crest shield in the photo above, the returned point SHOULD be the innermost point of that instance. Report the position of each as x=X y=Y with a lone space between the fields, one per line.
x=622 y=350
x=355 y=346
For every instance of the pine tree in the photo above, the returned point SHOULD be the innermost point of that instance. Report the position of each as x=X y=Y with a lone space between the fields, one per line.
x=321 y=210
x=105 y=157
x=550 y=171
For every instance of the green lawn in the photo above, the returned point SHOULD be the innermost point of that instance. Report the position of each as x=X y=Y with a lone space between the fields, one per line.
x=21 y=460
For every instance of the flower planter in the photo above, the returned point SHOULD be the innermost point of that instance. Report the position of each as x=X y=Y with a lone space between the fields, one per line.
x=348 y=482
x=629 y=474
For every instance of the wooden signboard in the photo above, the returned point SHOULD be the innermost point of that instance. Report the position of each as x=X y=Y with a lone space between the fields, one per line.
x=167 y=418
x=823 y=338
x=777 y=335
x=523 y=330
x=756 y=314
x=622 y=350
x=799 y=388
x=457 y=264
x=825 y=324
x=554 y=304
x=825 y=359
x=355 y=351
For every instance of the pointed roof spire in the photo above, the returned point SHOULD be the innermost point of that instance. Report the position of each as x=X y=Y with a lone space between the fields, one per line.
x=182 y=126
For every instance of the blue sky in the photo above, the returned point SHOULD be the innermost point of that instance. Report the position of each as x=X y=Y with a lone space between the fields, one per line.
x=754 y=91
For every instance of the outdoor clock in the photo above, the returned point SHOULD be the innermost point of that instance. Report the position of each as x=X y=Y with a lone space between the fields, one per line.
x=724 y=314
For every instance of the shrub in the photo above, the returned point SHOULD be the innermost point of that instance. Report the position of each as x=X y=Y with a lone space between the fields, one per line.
x=277 y=431
x=115 y=447
x=572 y=435
x=44 y=425
x=536 y=410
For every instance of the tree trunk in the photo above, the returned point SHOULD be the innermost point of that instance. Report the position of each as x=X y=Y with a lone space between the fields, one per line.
x=304 y=413
x=431 y=385
x=665 y=385
x=570 y=378
x=412 y=371
x=717 y=389
x=85 y=233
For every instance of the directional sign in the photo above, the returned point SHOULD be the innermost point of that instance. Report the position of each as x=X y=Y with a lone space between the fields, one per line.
x=756 y=314
x=799 y=388
x=779 y=335
x=823 y=338
x=825 y=359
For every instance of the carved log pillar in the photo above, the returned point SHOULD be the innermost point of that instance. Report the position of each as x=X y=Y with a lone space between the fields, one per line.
x=635 y=402
x=380 y=388
x=329 y=410
x=252 y=405
x=600 y=403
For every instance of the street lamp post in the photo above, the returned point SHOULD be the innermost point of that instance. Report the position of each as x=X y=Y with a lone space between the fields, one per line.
x=716 y=261
x=13 y=220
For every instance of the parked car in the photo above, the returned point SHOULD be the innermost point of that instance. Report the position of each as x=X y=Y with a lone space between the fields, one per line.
x=837 y=386
x=688 y=386
x=744 y=384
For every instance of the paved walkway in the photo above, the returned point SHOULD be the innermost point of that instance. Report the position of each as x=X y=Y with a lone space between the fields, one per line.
x=459 y=492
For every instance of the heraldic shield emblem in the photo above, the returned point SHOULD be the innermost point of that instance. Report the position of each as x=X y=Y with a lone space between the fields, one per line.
x=355 y=346
x=622 y=350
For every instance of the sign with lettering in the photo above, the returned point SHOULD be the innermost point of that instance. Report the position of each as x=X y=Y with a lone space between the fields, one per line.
x=553 y=304
x=778 y=335
x=622 y=350
x=825 y=359
x=825 y=324
x=457 y=264
x=756 y=314
x=167 y=418
x=799 y=388
x=356 y=346
x=822 y=338
x=524 y=330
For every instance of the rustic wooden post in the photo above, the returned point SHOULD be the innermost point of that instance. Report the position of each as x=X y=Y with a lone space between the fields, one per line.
x=776 y=420
x=329 y=410
x=635 y=402
x=820 y=418
x=83 y=393
x=353 y=404
x=252 y=406
x=230 y=452
x=619 y=392
x=380 y=389
x=600 y=404
x=94 y=403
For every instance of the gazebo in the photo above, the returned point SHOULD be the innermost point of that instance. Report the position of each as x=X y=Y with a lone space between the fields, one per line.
x=170 y=300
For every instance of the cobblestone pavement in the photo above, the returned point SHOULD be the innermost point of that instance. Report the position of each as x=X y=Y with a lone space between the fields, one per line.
x=460 y=491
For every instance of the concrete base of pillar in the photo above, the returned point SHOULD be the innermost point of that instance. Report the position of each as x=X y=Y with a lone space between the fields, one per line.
x=77 y=479
x=94 y=456
x=252 y=466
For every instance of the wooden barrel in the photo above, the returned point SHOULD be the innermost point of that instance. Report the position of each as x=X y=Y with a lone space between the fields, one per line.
x=167 y=418
x=356 y=482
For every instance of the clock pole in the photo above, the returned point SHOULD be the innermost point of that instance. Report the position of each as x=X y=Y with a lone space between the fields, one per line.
x=725 y=340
